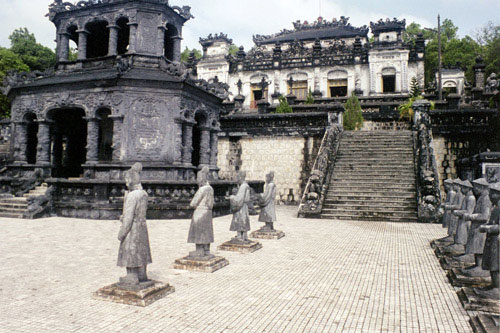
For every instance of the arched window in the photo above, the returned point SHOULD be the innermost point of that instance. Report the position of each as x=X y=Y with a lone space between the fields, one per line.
x=389 y=80
x=201 y=121
x=105 y=139
x=337 y=83
x=73 y=42
x=299 y=87
x=32 y=137
x=169 y=46
x=98 y=39
x=123 y=35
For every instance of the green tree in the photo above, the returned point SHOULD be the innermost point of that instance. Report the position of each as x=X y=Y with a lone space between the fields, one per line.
x=33 y=54
x=185 y=54
x=310 y=97
x=283 y=106
x=414 y=87
x=353 y=115
x=233 y=49
x=489 y=39
x=9 y=61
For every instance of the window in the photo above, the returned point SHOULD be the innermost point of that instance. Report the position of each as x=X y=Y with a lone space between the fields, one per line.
x=389 y=83
x=257 y=95
x=98 y=39
x=299 y=89
x=337 y=88
x=123 y=35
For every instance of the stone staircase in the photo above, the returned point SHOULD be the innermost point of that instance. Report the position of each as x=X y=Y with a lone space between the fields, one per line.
x=17 y=207
x=373 y=179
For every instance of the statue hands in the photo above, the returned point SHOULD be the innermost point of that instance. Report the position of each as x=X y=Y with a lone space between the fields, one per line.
x=490 y=229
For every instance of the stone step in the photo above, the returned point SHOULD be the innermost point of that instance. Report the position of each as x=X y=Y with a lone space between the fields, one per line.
x=369 y=206
x=14 y=200
x=375 y=186
x=13 y=210
x=8 y=205
x=335 y=194
x=340 y=179
x=369 y=200
x=347 y=217
x=11 y=215
x=376 y=168
x=371 y=213
x=376 y=135
x=373 y=175
x=362 y=150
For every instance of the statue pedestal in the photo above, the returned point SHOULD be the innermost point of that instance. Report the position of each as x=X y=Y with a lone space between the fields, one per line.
x=474 y=302
x=458 y=279
x=453 y=250
x=441 y=243
x=264 y=233
x=449 y=262
x=236 y=245
x=140 y=295
x=194 y=264
x=485 y=324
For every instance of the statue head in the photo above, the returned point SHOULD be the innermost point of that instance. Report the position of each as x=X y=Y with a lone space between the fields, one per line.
x=133 y=177
x=202 y=176
x=495 y=193
x=456 y=184
x=466 y=187
x=270 y=177
x=481 y=186
x=448 y=183
x=242 y=176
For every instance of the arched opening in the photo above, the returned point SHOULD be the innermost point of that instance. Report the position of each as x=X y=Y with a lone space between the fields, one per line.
x=123 y=35
x=201 y=121
x=73 y=42
x=169 y=41
x=68 y=142
x=32 y=137
x=105 y=139
x=98 y=39
x=337 y=83
x=389 y=80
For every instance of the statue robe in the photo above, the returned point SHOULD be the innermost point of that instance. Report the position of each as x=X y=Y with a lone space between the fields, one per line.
x=457 y=204
x=450 y=197
x=239 y=207
x=463 y=226
x=134 y=247
x=482 y=214
x=201 y=230
x=491 y=257
x=268 y=211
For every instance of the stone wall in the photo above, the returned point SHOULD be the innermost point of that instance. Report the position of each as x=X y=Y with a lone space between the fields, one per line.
x=288 y=156
x=385 y=125
x=5 y=136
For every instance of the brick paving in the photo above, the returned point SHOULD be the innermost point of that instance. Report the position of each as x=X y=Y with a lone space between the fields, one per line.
x=324 y=276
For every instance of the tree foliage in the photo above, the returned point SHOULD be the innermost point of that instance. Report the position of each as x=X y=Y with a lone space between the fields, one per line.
x=185 y=54
x=353 y=115
x=415 y=88
x=310 y=97
x=33 y=54
x=283 y=106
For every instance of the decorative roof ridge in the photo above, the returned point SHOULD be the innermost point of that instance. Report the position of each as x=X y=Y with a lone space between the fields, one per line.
x=388 y=24
x=212 y=38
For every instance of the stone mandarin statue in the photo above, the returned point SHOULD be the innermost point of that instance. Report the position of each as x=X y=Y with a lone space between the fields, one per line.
x=201 y=231
x=455 y=205
x=463 y=225
x=134 y=253
x=491 y=257
x=239 y=207
x=450 y=196
x=476 y=239
x=266 y=201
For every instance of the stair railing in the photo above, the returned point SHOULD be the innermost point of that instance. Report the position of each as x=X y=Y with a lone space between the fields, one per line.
x=427 y=175
x=314 y=195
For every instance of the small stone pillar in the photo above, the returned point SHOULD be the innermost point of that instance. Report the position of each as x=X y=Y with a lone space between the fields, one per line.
x=160 y=40
x=21 y=143
x=82 y=44
x=113 y=40
x=132 y=37
x=117 y=137
x=187 y=143
x=263 y=106
x=214 y=150
x=43 y=149
x=63 y=46
x=176 y=42
x=238 y=102
x=205 y=146
x=92 y=140
x=178 y=141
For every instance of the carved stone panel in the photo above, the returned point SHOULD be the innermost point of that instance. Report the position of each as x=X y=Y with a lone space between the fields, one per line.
x=147 y=33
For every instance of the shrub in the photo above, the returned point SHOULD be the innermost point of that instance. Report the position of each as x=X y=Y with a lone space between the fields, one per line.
x=353 y=116
x=283 y=107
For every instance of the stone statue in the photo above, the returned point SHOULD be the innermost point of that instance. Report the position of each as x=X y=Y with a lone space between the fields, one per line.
x=239 y=207
x=201 y=231
x=492 y=84
x=134 y=253
x=450 y=196
x=266 y=201
x=463 y=225
x=455 y=205
x=491 y=257
x=476 y=239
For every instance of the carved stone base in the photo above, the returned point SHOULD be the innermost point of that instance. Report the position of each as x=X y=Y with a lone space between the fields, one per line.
x=458 y=279
x=141 y=295
x=473 y=302
x=485 y=324
x=448 y=262
x=440 y=243
x=263 y=233
x=239 y=246
x=444 y=250
x=199 y=265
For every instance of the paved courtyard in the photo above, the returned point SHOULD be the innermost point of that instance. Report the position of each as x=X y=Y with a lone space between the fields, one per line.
x=324 y=276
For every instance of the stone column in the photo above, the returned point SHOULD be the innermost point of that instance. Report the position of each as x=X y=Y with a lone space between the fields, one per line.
x=187 y=143
x=82 y=44
x=43 y=149
x=92 y=140
x=205 y=146
x=21 y=142
x=113 y=40
x=132 y=37
x=178 y=141
x=160 y=40
x=63 y=46
x=177 y=49
x=214 y=150
x=117 y=137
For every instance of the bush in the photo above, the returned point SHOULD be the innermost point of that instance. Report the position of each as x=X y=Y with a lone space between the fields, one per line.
x=353 y=116
x=310 y=97
x=406 y=109
x=283 y=107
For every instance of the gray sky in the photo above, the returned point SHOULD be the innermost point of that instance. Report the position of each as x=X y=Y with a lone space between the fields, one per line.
x=240 y=19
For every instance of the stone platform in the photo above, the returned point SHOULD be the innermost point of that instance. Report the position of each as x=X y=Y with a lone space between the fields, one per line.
x=209 y=265
x=238 y=246
x=448 y=262
x=143 y=295
x=267 y=234
x=457 y=279
x=471 y=301
x=485 y=324
x=436 y=243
